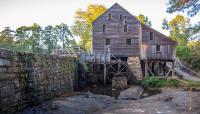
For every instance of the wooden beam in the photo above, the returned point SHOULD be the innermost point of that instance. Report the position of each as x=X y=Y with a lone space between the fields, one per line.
x=173 y=69
x=104 y=78
x=168 y=73
x=146 y=68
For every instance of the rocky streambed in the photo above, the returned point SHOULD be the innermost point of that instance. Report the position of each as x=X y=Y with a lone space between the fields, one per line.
x=133 y=100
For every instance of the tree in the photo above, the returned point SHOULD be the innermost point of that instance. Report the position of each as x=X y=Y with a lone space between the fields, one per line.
x=65 y=35
x=35 y=38
x=144 y=19
x=93 y=11
x=83 y=24
x=179 y=28
x=6 y=36
x=82 y=29
x=22 y=38
x=49 y=38
x=191 y=6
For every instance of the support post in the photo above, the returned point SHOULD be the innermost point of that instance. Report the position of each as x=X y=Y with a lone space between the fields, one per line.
x=119 y=65
x=152 y=67
x=146 y=68
x=104 y=76
x=172 y=68
x=164 y=68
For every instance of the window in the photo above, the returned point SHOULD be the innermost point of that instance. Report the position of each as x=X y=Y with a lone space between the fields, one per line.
x=125 y=28
x=157 y=48
x=107 y=41
x=110 y=16
x=104 y=28
x=121 y=16
x=128 y=41
x=151 y=35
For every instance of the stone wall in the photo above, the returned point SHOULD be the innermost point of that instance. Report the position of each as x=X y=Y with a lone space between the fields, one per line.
x=27 y=78
x=135 y=68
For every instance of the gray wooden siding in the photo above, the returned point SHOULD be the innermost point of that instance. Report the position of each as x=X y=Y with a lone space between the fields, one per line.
x=148 y=47
x=167 y=52
x=115 y=32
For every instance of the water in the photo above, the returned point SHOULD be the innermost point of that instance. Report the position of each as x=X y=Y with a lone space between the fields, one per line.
x=109 y=91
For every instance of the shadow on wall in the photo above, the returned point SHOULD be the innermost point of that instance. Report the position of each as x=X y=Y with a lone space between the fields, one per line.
x=29 y=79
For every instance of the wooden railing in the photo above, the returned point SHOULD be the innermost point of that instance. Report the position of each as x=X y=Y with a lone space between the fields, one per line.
x=95 y=57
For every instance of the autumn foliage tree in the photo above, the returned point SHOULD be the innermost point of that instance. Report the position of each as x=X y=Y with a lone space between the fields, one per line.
x=179 y=28
x=83 y=24
x=144 y=19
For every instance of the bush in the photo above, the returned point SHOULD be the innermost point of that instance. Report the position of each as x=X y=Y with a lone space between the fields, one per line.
x=155 y=81
x=152 y=81
x=172 y=83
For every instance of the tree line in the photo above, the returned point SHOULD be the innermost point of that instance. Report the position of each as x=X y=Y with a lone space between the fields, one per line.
x=36 y=39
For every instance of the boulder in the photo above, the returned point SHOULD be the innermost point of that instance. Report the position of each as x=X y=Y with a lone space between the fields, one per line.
x=132 y=93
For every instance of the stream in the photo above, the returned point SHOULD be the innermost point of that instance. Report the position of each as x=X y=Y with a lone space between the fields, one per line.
x=114 y=93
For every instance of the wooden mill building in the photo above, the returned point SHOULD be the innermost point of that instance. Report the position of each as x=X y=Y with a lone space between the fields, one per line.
x=125 y=36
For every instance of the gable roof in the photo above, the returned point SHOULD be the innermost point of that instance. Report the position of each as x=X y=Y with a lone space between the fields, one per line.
x=116 y=4
x=143 y=25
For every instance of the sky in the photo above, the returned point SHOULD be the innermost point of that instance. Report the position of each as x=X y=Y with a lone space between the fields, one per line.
x=15 y=13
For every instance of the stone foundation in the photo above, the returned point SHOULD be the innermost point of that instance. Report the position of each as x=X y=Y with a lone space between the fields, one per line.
x=135 y=68
x=119 y=82
x=27 y=78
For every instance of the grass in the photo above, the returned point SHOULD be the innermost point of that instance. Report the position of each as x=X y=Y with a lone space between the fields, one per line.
x=156 y=82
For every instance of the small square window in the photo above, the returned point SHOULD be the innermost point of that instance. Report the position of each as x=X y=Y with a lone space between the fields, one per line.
x=128 y=41
x=110 y=16
x=104 y=28
x=107 y=41
x=125 y=28
x=151 y=35
x=157 y=48
x=121 y=16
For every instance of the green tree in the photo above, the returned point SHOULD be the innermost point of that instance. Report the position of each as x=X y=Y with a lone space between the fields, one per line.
x=65 y=35
x=6 y=36
x=144 y=19
x=192 y=7
x=35 y=38
x=83 y=24
x=82 y=30
x=49 y=38
x=22 y=39
x=179 y=28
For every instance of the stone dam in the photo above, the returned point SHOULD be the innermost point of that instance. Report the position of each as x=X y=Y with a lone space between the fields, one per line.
x=29 y=79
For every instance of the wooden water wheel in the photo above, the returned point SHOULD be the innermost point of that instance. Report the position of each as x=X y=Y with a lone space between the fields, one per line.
x=117 y=67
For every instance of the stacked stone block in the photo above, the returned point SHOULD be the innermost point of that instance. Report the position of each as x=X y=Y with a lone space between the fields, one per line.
x=135 y=68
x=27 y=78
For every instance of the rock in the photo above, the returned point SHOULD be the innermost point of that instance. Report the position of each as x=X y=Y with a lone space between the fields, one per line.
x=89 y=94
x=7 y=90
x=54 y=107
x=132 y=93
x=119 y=82
x=145 y=94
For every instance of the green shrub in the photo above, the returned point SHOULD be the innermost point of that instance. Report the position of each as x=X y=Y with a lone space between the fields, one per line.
x=172 y=83
x=155 y=81
x=152 y=81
